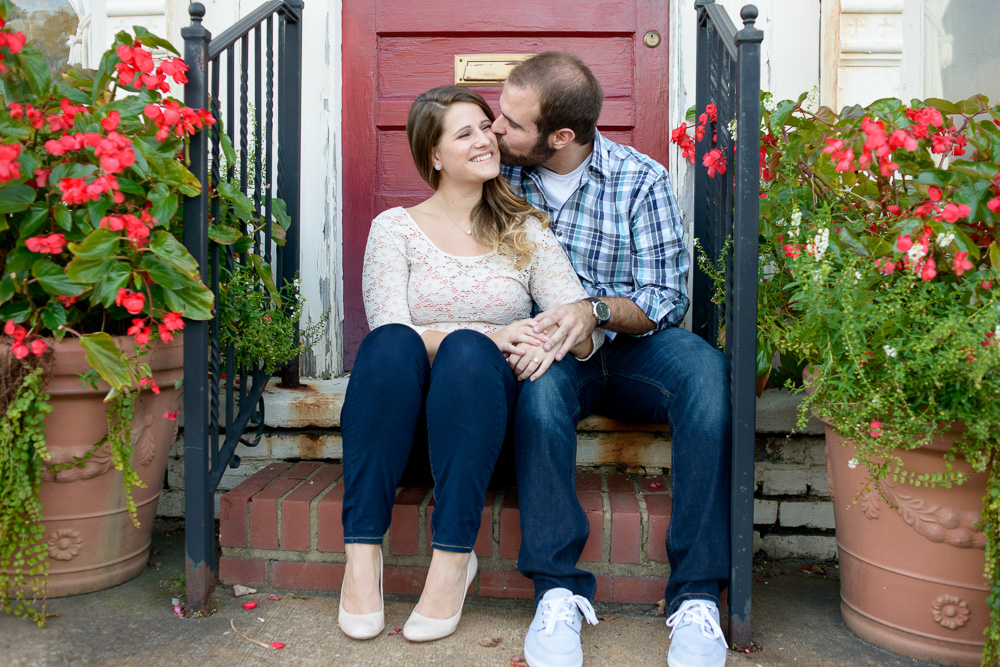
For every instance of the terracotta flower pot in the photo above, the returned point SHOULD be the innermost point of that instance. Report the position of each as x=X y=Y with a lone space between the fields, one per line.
x=92 y=543
x=911 y=575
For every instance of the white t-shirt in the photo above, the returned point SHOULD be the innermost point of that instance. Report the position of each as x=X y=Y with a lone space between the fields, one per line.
x=558 y=187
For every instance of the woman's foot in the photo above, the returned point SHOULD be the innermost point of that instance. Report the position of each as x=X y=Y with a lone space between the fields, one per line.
x=362 y=614
x=444 y=589
x=440 y=607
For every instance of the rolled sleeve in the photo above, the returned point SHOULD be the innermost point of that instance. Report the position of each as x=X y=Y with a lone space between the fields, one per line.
x=659 y=257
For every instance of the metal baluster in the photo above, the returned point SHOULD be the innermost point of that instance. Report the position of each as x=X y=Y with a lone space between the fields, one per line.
x=269 y=128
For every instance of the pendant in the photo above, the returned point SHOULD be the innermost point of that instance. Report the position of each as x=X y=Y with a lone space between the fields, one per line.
x=468 y=232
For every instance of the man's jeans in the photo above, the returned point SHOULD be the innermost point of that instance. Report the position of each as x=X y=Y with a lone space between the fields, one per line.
x=468 y=397
x=672 y=377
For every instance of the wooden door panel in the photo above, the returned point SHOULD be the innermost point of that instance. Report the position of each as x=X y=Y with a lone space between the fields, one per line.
x=393 y=50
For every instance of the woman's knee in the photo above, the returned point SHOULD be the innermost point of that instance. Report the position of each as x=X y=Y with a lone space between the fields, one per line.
x=391 y=345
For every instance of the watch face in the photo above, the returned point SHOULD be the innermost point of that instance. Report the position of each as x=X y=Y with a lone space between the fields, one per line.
x=603 y=311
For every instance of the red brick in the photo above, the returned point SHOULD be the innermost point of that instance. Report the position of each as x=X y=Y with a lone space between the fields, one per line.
x=296 y=530
x=302 y=470
x=233 y=506
x=505 y=584
x=246 y=571
x=620 y=483
x=264 y=513
x=404 y=538
x=605 y=588
x=483 y=545
x=307 y=576
x=406 y=580
x=626 y=535
x=588 y=481
x=329 y=524
x=639 y=590
x=593 y=507
x=510 y=525
x=658 y=506
x=660 y=484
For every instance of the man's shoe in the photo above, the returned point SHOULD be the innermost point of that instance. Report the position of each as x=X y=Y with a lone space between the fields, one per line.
x=553 y=638
x=696 y=639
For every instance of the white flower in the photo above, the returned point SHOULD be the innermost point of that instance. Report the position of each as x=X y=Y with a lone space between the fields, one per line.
x=732 y=129
x=996 y=332
x=819 y=245
x=796 y=217
x=889 y=351
x=857 y=276
x=769 y=104
x=916 y=252
x=852 y=464
x=943 y=239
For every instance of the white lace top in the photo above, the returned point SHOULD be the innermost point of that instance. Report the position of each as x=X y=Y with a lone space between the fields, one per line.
x=408 y=280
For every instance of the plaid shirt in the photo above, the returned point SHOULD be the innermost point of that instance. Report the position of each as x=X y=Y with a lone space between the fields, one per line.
x=622 y=230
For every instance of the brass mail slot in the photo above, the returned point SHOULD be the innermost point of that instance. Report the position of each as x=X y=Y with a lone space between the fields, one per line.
x=486 y=69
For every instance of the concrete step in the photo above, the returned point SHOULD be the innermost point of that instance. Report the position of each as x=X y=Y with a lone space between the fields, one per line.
x=282 y=528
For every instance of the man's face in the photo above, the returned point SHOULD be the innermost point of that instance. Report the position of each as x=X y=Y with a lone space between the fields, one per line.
x=521 y=144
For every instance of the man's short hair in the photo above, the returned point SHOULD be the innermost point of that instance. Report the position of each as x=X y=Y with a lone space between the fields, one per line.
x=568 y=93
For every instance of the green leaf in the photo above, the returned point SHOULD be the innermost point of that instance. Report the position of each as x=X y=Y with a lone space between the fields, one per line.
x=242 y=203
x=995 y=256
x=16 y=310
x=944 y=106
x=95 y=211
x=223 y=234
x=130 y=187
x=100 y=243
x=36 y=70
x=14 y=129
x=32 y=221
x=54 y=315
x=165 y=275
x=15 y=197
x=938 y=177
x=279 y=213
x=106 y=359
x=164 y=207
x=63 y=217
x=264 y=271
x=192 y=303
x=88 y=269
x=19 y=259
x=73 y=94
x=172 y=252
x=242 y=245
x=230 y=154
x=106 y=289
x=6 y=289
x=70 y=170
x=53 y=279
x=149 y=39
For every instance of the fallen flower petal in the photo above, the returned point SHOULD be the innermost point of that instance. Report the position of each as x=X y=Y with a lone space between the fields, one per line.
x=277 y=645
x=655 y=485
x=272 y=596
x=249 y=605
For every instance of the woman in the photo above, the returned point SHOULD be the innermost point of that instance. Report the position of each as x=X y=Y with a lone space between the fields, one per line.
x=448 y=287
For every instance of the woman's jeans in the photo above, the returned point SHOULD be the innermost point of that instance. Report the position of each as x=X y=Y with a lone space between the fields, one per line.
x=468 y=397
x=672 y=376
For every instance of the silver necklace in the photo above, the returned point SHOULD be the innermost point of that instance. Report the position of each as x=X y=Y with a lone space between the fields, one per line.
x=467 y=232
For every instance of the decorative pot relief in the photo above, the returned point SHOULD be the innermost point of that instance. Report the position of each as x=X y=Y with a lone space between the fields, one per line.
x=950 y=612
x=869 y=504
x=937 y=524
x=98 y=464
x=143 y=443
x=65 y=544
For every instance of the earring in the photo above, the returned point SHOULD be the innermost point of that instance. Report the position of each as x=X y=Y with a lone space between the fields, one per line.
x=437 y=167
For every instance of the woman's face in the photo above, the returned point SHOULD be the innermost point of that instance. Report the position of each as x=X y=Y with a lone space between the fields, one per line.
x=467 y=150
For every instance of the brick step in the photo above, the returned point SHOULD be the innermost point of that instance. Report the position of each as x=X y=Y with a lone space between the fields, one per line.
x=282 y=528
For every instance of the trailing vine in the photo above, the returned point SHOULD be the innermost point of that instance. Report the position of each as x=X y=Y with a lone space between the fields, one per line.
x=991 y=527
x=22 y=454
x=120 y=411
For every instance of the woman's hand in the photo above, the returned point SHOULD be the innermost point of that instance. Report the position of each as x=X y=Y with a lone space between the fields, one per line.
x=531 y=362
x=517 y=334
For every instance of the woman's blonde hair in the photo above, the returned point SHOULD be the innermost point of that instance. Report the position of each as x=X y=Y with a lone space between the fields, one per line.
x=498 y=219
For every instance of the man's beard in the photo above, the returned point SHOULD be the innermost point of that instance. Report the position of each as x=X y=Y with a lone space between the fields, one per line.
x=539 y=153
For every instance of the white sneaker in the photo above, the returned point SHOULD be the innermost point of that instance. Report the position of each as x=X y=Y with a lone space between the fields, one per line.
x=553 y=638
x=699 y=641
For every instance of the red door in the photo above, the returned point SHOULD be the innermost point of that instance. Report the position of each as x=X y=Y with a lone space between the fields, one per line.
x=394 y=50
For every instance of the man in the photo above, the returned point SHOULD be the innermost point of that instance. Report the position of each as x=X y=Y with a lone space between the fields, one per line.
x=613 y=211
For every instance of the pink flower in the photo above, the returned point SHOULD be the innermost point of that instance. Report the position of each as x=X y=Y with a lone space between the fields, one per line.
x=994 y=204
x=929 y=269
x=171 y=414
x=110 y=122
x=38 y=347
x=715 y=162
x=952 y=211
x=960 y=263
x=934 y=192
x=51 y=244
x=151 y=383
x=875 y=429
x=132 y=302
x=904 y=243
x=19 y=349
x=173 y=321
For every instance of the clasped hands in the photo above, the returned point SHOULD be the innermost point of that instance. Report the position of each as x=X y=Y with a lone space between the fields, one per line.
x=533 y=344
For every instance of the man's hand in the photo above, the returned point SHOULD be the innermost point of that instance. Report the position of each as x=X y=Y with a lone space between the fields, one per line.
x=567 y=325
x=511 y=337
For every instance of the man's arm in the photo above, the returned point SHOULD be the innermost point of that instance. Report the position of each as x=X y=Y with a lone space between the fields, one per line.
x=575 y=322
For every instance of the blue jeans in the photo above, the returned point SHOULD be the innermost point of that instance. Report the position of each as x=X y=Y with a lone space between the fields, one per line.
x=672 y=377
x=468 y=397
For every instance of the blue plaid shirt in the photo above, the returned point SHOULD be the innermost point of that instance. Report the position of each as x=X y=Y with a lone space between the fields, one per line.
x=622 y=230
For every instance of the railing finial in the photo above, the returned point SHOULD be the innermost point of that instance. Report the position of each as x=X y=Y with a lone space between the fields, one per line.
x=698 y=4
x=197 y=12
x=749 y=15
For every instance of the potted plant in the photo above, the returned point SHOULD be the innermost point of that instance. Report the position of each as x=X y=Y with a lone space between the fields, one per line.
x=880 y=269
x=96 y=287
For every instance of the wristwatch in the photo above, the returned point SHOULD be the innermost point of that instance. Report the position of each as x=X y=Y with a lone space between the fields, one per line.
x=602 y=312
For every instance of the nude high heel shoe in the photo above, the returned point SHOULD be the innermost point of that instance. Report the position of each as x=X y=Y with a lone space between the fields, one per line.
x=363 y=626
x=422 y=629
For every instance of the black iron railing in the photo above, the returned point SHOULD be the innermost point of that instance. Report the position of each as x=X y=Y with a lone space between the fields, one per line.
x=726 y=207
x=234 y=76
